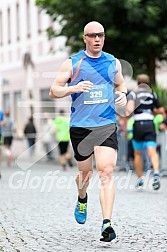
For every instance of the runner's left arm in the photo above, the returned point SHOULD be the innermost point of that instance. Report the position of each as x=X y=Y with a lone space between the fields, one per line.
x=120 y=86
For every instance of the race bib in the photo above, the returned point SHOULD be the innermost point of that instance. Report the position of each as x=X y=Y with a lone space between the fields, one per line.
x=98 y=94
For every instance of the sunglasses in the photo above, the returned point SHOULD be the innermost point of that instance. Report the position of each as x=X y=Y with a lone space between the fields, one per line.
x=94 y=35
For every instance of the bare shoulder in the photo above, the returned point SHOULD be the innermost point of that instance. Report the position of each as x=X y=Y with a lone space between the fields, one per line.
x=64 y=74
x=66 y=66
x=118 y=77
x=118 y=64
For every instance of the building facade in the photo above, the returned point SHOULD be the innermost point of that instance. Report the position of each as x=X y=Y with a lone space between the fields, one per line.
x=29 y=61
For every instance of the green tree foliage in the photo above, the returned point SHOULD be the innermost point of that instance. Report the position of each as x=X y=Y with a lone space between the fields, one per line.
x=162 y=95
x=136 y=30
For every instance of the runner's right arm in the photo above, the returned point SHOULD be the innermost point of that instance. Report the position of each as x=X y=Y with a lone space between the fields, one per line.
x=59 y=88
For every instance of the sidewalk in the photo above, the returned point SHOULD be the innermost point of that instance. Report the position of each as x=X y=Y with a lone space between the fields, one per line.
x=37 y=205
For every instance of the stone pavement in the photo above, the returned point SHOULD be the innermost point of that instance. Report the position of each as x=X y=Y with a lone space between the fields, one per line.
x=37 y=205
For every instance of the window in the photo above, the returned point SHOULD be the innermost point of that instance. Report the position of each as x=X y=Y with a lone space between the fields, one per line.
x=9 y=26
x=17 y=22
x=1 y=58
x=28 y=18
x=47 y=103
x=39 y=21
x=1 y=31
x=17 y=110
x=6 y=102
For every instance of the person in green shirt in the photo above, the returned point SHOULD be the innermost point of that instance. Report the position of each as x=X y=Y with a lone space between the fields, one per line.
x=62 y=135
x=158 y=119
x=130 y=152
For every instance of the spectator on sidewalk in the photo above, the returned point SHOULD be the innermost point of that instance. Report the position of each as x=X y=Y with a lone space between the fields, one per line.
x=130 y=151
x=30 y=134
x=8 y=130
x=163 y=124
x=1 y=123
x=158 y=119
x=62 y=134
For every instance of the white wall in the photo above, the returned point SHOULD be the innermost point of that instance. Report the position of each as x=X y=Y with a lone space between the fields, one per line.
x=12 y=54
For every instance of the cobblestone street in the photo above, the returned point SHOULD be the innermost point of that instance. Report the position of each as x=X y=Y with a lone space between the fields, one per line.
x=37 y=205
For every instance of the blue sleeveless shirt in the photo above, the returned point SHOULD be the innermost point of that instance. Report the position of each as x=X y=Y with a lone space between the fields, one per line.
x=96 y=107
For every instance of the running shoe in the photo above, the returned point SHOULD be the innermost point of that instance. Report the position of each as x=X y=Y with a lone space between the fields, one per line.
x=156 y=182
x=81 y=212
x=107 y=233
x=70 y=162
x=139 y=184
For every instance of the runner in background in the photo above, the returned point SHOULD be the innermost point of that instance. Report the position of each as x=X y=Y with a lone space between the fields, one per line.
x=62 y=135
x=143 y=103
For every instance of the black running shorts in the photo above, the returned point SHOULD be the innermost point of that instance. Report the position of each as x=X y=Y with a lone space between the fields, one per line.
x=63 y=147
x=8 y=140
x=144 y=131
x=84 y=139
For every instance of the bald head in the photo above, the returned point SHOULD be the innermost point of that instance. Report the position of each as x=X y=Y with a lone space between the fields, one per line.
x=143 y=78
x=93 y=26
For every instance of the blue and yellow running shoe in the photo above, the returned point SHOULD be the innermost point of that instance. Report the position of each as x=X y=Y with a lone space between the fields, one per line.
x=81 y=212
x=140 y=184
x=107 y=233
